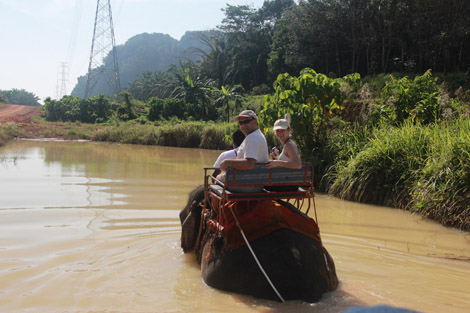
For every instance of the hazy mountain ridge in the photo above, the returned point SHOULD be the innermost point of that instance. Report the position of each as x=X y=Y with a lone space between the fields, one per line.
x=146 y=52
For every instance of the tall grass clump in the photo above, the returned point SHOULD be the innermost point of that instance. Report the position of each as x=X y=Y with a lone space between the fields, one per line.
x=174 y=133
x=217 y=136
x=382 y=173
x=442 y=189
x=187 y=134
x=8 y=132
x=126 y=133
x=342 y=146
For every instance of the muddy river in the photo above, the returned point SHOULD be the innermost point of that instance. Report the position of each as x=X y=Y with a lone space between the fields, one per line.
x=88 y=227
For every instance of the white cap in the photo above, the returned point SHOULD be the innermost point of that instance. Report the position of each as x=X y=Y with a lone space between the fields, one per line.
x=281 y=124
x=246 y=113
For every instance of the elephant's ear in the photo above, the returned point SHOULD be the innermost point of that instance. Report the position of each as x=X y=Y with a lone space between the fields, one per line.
x=188 y=229
x=331 y=271
x=190 y=218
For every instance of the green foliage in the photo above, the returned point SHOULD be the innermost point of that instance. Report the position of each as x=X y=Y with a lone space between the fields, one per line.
x=217 y=136
x=181 y=134
x=19 y=96
x=155 y=109
x=3 y=97
x=353 y=81
x=410 y=99
x=372 y=37
x=383 y=171
x=165 y=109
x=441 y=189
x=225 y=95
x=343 y=144
x=71 y=109
x=126 y=111
x=8 y=132
x=311 y=99
x=150 y=85
x=189 y=85
x=175 y=133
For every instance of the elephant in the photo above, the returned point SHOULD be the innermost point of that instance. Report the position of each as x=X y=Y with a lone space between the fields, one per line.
x=284 y=258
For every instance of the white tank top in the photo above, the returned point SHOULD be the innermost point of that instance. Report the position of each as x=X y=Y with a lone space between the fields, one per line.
x=282 y=156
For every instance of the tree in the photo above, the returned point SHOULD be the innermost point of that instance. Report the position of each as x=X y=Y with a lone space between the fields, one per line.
x=214 y=64
x=20 y=96
x=126 y=111
x=150 y=85
x=71 y=109
x=3 y=97
x=248 y=36
x=311 y=99
x=226 y=94
x=189 y=85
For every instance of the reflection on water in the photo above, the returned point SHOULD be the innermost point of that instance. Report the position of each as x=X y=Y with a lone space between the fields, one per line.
x=94 y=227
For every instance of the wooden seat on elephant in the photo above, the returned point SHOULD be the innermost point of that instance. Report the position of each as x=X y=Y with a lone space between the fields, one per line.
x=263 y=183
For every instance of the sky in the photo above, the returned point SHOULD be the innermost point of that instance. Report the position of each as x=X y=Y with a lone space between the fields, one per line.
x=42 y=39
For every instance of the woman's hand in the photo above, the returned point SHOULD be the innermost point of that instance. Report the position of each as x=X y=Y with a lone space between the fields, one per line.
x=274 y=153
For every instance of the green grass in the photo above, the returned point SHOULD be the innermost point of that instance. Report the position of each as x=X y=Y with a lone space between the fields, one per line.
x=8 y=132
x=425 y=169
x=441 y=189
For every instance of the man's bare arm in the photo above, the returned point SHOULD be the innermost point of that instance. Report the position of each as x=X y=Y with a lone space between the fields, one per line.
x=240 y=164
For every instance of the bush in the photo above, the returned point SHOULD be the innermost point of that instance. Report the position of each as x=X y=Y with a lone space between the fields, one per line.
x=217 y=136
x=311 y=99
x=442 y=189
x=382 y=173
x=8 y=132
x=72 y=109
x=181 y=135
x=415 y=99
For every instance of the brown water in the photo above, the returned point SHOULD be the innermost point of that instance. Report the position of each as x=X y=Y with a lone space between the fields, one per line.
x=88 y=227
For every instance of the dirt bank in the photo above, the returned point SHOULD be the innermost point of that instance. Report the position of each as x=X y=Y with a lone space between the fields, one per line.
x=18 y=113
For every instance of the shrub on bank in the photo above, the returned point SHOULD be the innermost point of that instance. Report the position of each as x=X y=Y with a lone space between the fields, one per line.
x=8 y=132
x=181 y=135
x=425 y=169
x=441 y=190
x=217 y=136
x=382 y=173
x=174 y=133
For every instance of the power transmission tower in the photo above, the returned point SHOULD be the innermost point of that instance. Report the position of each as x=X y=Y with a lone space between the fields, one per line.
x=62 y=79
x=102 y=46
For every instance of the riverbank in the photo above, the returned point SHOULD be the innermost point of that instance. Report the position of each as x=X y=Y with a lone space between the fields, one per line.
x=196 y=134
x=424 y=170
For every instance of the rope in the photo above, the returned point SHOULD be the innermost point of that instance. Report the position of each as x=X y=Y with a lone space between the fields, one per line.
x=256 y=259
x=319 y=236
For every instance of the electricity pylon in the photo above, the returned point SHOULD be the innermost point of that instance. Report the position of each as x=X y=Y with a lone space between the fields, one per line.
x=102 y=46
x=62 y=79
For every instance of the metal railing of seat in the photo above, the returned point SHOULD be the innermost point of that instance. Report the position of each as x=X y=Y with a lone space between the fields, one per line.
x=278 y=183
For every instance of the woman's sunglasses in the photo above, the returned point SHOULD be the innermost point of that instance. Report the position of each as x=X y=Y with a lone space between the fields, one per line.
x=245 y=121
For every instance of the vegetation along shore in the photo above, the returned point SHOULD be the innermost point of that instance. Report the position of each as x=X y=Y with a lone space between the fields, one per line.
x=400 y=142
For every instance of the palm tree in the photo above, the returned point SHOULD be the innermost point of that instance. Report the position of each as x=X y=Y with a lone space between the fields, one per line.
x=150 y=85
x=187 y=84
x=225 y=95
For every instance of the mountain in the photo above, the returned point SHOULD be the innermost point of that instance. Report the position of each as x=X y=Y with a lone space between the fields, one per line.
x=145 y=52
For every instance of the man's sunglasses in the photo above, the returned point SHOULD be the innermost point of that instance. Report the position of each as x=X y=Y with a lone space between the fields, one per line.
x=245 y=121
